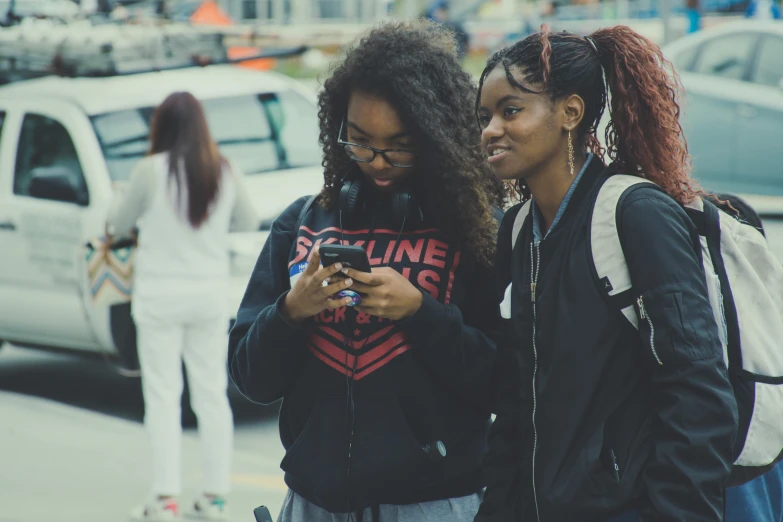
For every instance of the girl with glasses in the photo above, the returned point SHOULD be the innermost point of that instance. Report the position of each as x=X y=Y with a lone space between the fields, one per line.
x=385 y=390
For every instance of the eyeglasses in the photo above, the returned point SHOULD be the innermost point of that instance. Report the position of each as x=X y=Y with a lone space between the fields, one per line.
x=402 y=158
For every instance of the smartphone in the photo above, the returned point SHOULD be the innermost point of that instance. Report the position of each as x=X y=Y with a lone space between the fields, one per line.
x=350 y=256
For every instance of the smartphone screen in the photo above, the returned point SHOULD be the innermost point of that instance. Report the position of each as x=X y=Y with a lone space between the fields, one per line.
x=350 y=256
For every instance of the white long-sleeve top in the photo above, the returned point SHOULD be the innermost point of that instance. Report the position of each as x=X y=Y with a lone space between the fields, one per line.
x=170 y=250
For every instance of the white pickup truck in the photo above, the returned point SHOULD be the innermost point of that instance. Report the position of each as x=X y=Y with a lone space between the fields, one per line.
x=65 y=143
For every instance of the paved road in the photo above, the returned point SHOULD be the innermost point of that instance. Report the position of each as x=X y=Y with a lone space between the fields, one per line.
x=73 y=449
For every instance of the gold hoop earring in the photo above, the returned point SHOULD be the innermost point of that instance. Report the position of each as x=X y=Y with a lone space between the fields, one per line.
x=570 y=154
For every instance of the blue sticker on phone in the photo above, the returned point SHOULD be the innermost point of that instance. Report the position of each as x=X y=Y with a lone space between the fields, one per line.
x=295 y=272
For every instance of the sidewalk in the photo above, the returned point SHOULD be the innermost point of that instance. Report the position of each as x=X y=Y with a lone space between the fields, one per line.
x=64 y=464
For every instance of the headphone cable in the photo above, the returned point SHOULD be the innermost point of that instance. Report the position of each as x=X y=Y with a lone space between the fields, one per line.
x=350 y=404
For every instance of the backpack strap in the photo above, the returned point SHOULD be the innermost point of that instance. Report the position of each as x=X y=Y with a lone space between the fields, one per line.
x=707 y=219
x=613 y=277
x=516 y=229
x=519 y=221
x=305 y=209
x=302 y=214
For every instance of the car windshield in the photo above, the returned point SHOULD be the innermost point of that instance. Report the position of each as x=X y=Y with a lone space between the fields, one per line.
x=261 y=133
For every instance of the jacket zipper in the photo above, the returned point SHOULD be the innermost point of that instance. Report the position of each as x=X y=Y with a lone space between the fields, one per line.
x=615 y=466
x=535 y=261
x=644 y=315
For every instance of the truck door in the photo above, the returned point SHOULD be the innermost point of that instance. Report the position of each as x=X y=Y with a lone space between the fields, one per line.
x=44 y=217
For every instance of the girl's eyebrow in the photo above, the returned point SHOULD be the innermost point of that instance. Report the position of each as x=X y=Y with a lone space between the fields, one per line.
x=359 y=129
x=401 y=134
x=508 y=98
x=505 y=99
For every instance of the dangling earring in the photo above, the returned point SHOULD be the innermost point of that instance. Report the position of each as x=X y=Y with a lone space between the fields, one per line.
x=570 y=154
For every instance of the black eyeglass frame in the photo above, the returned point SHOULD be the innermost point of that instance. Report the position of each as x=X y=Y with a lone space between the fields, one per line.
x=375 y=151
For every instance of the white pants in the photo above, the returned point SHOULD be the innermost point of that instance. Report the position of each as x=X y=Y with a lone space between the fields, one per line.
x=169 y=333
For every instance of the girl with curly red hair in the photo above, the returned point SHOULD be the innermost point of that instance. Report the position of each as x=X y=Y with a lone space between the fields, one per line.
x=599 y=421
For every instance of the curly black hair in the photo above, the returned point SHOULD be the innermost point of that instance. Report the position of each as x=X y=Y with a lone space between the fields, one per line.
x=414 y=66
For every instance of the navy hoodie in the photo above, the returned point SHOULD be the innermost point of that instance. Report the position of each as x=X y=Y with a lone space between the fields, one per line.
x=416 y=382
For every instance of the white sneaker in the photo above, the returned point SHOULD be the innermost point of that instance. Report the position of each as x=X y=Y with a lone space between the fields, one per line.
x=208 y=508
x=157 y=511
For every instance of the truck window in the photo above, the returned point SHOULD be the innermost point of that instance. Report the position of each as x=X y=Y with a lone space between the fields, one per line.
x=278 y=131
x=123 y=136
x=44 y=142
x=250 y=144
x=295 y=127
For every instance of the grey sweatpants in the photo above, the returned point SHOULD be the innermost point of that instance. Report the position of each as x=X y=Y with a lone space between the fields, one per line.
x=462 y=509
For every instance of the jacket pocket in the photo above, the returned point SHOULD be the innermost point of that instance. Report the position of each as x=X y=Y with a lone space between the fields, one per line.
x=604 y=473
x=677 y=325
x=386 y=458
x=587 y=487
x=609 y=484
x=313 y=460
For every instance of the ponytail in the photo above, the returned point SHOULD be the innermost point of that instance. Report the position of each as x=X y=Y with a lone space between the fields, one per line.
x=644 y=137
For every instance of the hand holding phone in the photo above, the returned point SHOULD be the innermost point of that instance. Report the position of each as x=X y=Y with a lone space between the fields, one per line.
x=385 y=293
x=349 y=257
x=310 y=296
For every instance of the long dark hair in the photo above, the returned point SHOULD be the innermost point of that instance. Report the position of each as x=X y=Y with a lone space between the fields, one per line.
x=644 y=136
x=413 y=66
x=179 y=127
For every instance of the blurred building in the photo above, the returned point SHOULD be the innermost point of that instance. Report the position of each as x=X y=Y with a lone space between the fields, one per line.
x=350 y=11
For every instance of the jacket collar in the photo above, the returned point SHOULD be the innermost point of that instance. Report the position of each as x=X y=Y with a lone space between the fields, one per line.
x=592 y=175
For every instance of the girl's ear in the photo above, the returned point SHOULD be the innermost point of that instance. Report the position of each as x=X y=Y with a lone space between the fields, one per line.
x=573 y=110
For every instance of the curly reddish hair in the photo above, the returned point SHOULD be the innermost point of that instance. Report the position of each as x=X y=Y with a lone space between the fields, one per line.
x=644 y=136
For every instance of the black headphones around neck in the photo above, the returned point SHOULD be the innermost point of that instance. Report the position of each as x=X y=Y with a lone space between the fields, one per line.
x=353 y=202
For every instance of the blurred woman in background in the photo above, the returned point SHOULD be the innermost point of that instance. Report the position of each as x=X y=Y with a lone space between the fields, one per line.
x=183 y=198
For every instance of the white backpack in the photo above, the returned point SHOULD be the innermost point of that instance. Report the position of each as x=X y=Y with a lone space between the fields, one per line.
x=745 y=285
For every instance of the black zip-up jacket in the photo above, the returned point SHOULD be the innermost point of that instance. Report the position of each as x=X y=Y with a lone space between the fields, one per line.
x=415 y=382
x=591 y=423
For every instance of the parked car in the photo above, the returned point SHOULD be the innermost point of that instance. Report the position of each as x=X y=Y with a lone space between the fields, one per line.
x=733 y=113
x=733 y=110
x=78 y=139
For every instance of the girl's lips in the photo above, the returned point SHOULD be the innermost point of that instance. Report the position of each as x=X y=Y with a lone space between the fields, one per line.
x=494 y=158
x=383 y=183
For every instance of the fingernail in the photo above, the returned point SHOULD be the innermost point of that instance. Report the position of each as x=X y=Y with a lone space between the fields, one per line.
x=338 y=266
x=345 y=271
x=348 y=282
